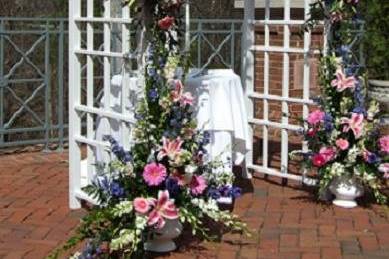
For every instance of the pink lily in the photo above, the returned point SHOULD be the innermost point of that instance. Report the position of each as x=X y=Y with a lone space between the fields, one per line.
x=342 y=82
x=355 y=123
x=170 y=148
x=187 y=98
x=164 y=208
x=178 y=90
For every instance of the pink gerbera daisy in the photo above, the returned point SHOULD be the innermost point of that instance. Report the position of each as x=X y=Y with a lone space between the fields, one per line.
x=154 y=174
x=197 y=185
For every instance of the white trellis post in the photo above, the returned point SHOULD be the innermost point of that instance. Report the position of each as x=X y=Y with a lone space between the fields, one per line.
x=74 y=99
x=248 y=69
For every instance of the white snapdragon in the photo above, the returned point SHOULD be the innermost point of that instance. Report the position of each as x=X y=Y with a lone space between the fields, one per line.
x=126 y=237
x=337 y=169
x=373 y=110
x=334 y=135
x=76 y=255
x=352 y=155
x=124 y=207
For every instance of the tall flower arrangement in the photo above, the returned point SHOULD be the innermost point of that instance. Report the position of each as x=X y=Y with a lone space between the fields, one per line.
x=342 y=133
x=165 y=176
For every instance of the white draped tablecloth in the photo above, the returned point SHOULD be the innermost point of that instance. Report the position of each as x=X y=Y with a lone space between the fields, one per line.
x=220 y=109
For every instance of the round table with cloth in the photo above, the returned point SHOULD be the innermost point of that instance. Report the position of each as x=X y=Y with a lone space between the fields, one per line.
x=220 y=109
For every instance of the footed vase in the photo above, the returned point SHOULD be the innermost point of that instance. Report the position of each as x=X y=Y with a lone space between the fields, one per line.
x=346 y=189
x=161 y=241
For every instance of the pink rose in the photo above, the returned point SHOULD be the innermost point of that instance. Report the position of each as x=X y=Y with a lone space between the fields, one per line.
x=316 y=117
x=318 y=160
x=141 y=205
x=311 y=132
x=328 y=153
x=342 y=144
x=166 y=23
x=384 y=144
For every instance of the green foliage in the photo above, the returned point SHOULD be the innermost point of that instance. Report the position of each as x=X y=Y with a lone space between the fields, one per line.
x=376 y=37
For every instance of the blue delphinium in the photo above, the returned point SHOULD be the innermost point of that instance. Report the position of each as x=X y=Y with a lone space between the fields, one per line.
x=328 y=122
x=225 y=191
x=373 y=158
x=359 y=109
x=153 y=94
x=317 y=100
x=214 y=193
x=151 y=71
x=359 y=98
x=172 y=186
x=90 y=251
x=118 y=150
x=110 y=188
x=116 y=190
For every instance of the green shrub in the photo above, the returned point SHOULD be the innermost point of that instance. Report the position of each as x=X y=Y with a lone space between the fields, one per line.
x=376 y=38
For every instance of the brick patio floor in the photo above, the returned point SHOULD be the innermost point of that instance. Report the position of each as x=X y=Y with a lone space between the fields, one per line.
x=34 y=218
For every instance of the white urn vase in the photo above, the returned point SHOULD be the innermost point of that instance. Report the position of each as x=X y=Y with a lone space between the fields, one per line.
x=161 y=241
x=346 y=189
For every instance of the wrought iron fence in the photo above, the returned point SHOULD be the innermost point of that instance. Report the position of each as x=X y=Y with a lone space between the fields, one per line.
x=33 y=73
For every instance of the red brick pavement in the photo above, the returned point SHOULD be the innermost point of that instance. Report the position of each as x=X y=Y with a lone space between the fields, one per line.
x=34 y=218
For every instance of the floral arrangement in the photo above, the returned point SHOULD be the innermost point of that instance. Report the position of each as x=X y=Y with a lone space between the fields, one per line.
x=343 y=135
x=166 y=175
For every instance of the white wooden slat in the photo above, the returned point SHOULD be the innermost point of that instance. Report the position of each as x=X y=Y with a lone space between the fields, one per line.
x=285 y=92
x=274 y=172
x=124 y=128
x=261 y=122
x=90 y=90
x=281 y=49
x=104 y=54
x=104 y=113
x=280 y=98
x=74 y=99
x=266 y=86
x=84 y=196
x=306 y=76
x=270 y=171
x=276 y=22
x=273 y=3
x=107 y=59
x=248 y=71
x=187 y=26
x=91 y=19
x=91 y=142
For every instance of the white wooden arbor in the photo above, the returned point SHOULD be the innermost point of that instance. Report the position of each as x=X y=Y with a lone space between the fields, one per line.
x=250 y=48
x=82 y=51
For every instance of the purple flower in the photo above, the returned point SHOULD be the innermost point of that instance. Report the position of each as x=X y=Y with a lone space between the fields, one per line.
x=111 y=188
x=172 y=186
x=328 y=122
x=214 y=193
x=153 y=94
x=116 y=190
x=118 y=150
